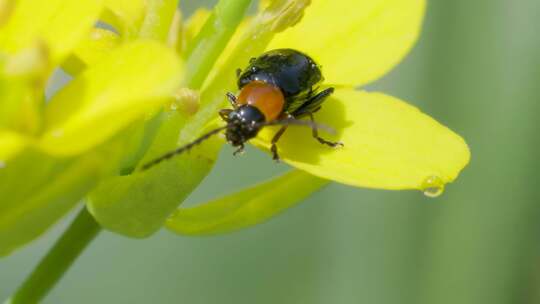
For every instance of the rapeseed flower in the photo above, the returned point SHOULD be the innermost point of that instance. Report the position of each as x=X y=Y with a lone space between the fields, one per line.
x=144 y=81
x=389 y=144
x=106 y=122
x=53 y=153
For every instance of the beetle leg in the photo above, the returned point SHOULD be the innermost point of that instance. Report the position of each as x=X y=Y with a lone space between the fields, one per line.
x=232 y=99
x=224 y=113
x=275 y=139
x=316 y=110
x=239 y=150
x=323 y=141
x=238 y=73
x=313 y=104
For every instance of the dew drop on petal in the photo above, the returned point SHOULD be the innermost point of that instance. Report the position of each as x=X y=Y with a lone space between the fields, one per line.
x=433 y=186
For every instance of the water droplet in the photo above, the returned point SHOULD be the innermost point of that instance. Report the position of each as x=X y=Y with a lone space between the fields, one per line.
x=433 y=186
x=2 y=164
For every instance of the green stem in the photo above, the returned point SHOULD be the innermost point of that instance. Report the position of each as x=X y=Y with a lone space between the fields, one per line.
x=52 y=267
x=212 y=40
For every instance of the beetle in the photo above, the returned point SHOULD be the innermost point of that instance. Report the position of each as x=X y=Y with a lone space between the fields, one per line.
x=276 y=88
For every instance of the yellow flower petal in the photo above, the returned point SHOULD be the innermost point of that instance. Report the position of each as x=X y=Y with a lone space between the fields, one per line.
x=92 y=49
x=59 y=24
x=132 y=81
x=388 y=144
x=125 y=16
x=355 y=41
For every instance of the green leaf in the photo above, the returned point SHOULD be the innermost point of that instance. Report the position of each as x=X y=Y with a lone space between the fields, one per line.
x=247 y=207
x=134 y=80
x=58 y=24
x=137 y=205
x=139 y=137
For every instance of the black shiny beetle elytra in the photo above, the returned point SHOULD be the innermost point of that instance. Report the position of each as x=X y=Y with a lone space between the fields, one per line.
x=276 y=88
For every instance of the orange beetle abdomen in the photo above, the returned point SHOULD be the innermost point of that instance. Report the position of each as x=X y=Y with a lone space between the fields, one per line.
x=265 y=97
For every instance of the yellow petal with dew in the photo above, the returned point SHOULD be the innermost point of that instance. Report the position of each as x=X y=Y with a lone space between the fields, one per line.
x=388 y=144
x=247 y=207
x=134 y=80
x=97 y=44
x=59 y=24
x=355 y=41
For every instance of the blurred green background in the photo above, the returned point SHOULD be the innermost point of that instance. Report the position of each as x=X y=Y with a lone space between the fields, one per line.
x=475 y=69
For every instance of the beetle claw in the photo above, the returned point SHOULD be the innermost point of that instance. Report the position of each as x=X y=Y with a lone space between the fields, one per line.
x=275 y=155
x=239 y=151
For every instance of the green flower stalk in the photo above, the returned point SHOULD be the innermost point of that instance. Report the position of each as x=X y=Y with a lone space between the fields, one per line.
x=154 y=82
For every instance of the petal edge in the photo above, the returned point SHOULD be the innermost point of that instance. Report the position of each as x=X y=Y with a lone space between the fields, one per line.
x=356 y=42
x=389 y=144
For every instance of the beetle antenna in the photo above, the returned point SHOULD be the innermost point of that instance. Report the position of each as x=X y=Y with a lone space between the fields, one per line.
x=182 y=149
x=297 y=122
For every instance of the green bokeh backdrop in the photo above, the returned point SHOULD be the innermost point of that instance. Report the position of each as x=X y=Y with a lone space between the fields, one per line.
x=476 y=69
